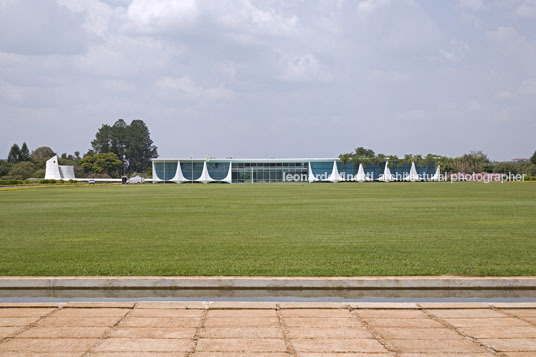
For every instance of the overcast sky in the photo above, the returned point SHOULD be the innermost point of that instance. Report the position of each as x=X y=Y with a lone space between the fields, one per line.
x=272 y=78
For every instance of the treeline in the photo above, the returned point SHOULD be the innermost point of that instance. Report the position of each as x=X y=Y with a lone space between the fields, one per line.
x=475 y=161
x=117 y=149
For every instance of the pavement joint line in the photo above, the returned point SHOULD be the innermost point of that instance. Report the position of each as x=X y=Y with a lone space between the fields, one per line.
x=107 y=332
x=377 y=336
x=512 y=315
x=461 y=333
x=29 y=326
x=198 y=330
x=284 y=329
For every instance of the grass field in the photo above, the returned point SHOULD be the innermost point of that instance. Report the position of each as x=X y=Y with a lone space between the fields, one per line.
x=272 y=229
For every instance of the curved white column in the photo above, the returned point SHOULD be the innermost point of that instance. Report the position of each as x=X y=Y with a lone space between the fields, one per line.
x=413 y=175
x=179 y=177
x=437 y=175
x=229 y=177
x=155 y=177
x=361 y=177
x=386 y=177
x=205 y=177
x=335 y=176
x=311 y=176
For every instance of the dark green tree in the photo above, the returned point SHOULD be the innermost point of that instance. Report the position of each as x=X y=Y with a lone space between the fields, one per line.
x=14 y=154
x=140 y=149
x=22 y=170
x=533 y=158
x=4 y=167
x=107 y=163
x=131 y=143
x=40 y=155
x=24 y=153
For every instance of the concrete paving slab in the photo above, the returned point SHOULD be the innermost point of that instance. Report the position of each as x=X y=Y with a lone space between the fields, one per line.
x=383 y=305
x=8 y=331
x=409 y=333
x=316 y=313
x=391 y=314
x=242 y=332
x=334 y=333
x=466 y=313
x=495 y=322
x=241 y=305
x=73 y=321
x=503 y=332
x=512 y=344
x=246 y=313
x=240 y=354
x=160 y=322
x=64 y=332
x=242 y=322
x=337 y=346
x=51 y=345
x=140 y=354
x=159 y=333
x=144 y=345
x=174 y=329
x=24 y=312
x=241 y=345
x=422 y=323
x=322 y=322
x=17 y=321
x=351 y=354
x=460 y=345
x=172 y=305
x=169 y=313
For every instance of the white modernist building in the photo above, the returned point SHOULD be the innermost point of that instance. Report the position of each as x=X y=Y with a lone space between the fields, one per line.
x=54 y=171
x=237 y=170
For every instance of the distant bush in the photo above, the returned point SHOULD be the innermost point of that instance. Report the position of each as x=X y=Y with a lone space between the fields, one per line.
x=22 y=170
x=11 y=182
x=47 y=181
x=39 y=173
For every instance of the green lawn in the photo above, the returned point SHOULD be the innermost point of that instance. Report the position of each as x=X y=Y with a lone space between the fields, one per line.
x=270 y=229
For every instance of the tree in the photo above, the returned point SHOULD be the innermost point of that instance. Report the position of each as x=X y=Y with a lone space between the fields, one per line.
x=4 y=167
x=131 y=143
x=107 y=163
x=14 y=154
x=140 y=148
x=40 y=155
x=22 y=170
x=24 y=154
x=533 y=158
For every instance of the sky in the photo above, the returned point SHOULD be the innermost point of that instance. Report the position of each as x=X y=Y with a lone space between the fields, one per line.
x=272 y=78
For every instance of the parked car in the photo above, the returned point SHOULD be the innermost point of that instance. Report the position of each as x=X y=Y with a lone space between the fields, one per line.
x=91 y=182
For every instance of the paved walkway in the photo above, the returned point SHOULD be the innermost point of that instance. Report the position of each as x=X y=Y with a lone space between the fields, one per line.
x=268 y=329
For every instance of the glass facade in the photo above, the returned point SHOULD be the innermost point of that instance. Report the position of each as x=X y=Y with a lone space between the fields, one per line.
x=271 y=170
x=268 y=172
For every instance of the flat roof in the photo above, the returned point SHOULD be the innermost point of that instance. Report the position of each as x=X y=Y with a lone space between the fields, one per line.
x=237 y=159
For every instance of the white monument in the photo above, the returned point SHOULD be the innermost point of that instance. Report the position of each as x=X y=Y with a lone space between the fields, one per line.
x=58 y=172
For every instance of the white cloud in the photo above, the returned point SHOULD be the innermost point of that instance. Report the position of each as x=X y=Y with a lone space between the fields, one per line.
x=98 y=14
x=187 y=87
x=155 y=15
x=369 y=6
x=527 y=9
x=244 y=15
x=10 y=92
x=302 y=68
x=473 y=5
x=455 y=52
